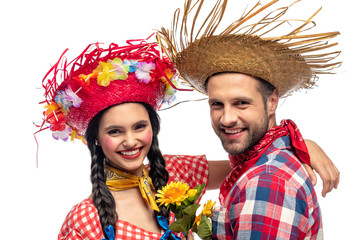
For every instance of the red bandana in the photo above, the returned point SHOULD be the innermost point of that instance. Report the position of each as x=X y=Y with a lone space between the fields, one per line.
x=242 y=162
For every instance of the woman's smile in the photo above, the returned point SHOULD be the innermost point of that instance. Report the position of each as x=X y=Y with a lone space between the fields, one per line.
x=131 y=154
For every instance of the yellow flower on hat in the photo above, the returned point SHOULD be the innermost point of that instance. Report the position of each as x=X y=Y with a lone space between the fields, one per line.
x=173 y=193
x=106 y=74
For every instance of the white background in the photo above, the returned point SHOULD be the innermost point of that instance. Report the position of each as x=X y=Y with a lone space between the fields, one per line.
x=34 y=201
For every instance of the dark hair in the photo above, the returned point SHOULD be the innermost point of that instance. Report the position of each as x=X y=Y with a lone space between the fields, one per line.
x=265 y=88
x=101 y=195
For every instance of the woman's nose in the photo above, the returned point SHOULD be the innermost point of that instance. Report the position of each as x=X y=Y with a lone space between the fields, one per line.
x=130 y=140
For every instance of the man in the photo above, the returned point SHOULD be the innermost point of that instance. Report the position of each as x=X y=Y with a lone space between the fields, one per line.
x=273 y=197
x=268 y=194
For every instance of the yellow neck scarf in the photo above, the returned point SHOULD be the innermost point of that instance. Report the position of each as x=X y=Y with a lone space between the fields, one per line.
x=117 y=180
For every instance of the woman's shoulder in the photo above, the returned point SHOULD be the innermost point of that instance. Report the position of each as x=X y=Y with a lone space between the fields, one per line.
x=83 y=208
x=82 y=220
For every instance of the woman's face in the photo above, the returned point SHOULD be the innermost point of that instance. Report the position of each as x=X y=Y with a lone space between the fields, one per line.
x=125 y=136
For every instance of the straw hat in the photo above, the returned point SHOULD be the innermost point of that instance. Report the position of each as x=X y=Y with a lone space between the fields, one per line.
x=289 y=62
x=102 y=77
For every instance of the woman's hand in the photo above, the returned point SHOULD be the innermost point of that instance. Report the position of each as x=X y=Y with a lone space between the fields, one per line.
x=190 y=237
x=322 y=164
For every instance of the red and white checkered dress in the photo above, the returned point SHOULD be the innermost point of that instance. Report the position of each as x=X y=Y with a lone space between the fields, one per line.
x=82 y=222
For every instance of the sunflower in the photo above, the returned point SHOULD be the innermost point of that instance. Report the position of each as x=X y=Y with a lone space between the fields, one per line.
x=173 y=193
x=197 y=220
x=207 y=209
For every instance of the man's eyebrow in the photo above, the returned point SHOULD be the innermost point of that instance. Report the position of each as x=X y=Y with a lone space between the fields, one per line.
x=246 y=99
x=212 y=100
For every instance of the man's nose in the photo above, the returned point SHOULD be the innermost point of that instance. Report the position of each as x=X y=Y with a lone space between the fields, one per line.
x=228 y=117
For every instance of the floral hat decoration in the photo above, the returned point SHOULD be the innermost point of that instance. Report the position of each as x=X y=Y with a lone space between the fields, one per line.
x=101 y=77
x=258 y=43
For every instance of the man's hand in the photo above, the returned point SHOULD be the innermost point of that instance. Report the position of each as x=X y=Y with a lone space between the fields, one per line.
x=322 y=164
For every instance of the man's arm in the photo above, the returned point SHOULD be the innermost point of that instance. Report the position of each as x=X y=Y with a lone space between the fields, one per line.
x=322 y=164
x=218 y=170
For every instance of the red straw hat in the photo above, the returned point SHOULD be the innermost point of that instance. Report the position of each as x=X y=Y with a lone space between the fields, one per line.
x=99 y=78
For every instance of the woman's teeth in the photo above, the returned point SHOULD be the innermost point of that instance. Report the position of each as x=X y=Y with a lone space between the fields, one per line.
x=128 y=153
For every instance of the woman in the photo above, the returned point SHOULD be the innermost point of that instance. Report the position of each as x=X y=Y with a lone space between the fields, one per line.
x=110 y=97
x=99 y=88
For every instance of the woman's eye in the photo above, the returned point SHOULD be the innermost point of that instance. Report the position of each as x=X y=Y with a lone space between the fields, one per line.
x=140 y=126
x=114 y=131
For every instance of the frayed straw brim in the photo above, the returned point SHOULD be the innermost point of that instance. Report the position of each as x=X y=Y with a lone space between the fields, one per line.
x=288 y=62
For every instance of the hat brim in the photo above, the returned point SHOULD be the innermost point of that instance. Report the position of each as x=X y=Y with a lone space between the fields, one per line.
x=266 y=59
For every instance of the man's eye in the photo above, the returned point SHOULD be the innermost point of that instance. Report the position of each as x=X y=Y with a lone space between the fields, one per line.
x=215 y=104
x=241 y=103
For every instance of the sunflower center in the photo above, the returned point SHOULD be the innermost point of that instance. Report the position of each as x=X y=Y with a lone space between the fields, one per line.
x=173 y=193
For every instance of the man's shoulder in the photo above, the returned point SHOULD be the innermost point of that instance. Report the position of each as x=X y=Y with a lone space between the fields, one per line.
x=280 y=163
x=279 y=159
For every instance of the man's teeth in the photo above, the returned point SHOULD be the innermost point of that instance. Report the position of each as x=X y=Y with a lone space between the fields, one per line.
x=128 y=153
x=232 y=131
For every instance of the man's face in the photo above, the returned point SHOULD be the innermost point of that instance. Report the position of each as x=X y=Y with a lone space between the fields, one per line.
x=238 y=113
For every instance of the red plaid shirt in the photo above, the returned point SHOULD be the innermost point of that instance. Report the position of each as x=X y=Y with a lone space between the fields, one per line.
x=274 y=199
x=83 y=222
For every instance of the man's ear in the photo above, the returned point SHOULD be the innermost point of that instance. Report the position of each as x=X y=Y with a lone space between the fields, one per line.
x=272 y=102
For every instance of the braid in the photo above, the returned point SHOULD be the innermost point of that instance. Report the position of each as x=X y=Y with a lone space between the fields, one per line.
x=101 y=196
x=158 y=173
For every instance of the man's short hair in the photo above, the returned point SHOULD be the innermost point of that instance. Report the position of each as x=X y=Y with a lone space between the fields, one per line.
x=265 y=88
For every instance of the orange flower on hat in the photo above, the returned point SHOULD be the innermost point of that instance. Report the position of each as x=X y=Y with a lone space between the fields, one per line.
x=51 y=108
x=85 y=79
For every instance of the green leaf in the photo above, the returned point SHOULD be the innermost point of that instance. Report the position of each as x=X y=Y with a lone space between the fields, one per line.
x=186 y=223
x=176 y=226
x=199 y=189
x=191 y=210
x=183 y=224
x=205 y=230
